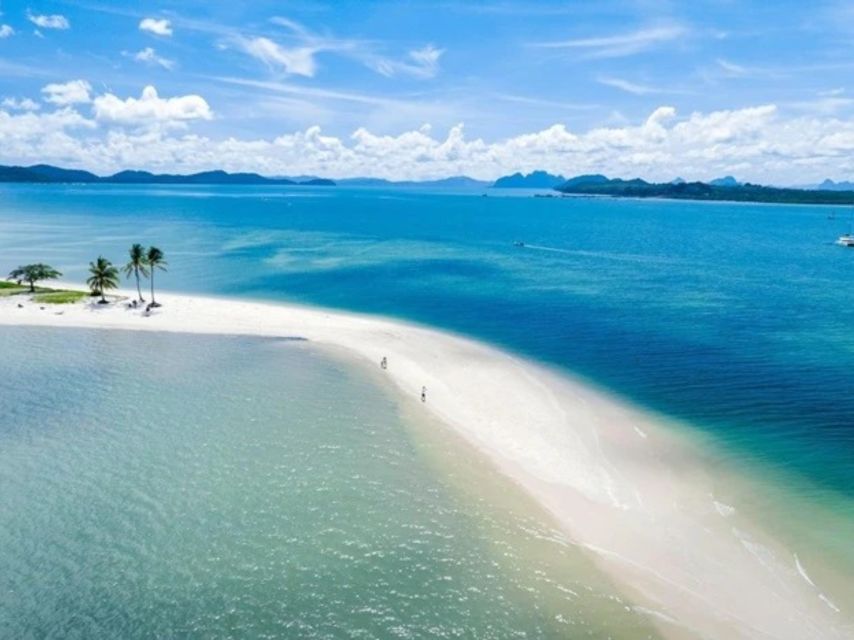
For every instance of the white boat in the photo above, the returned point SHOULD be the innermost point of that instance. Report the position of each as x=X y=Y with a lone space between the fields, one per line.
x=846 y=240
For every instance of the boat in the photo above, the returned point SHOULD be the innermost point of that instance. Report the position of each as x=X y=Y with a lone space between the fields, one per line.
x=518 y=243
x=846 y=240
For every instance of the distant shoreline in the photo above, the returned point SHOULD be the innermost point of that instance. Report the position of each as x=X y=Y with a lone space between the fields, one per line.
x=48 y=174
x=615 y=478
x=597 y=185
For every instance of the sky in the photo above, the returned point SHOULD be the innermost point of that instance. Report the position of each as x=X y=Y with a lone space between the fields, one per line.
x=421 y=90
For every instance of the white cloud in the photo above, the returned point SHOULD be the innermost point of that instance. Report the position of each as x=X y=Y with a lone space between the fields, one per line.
x=299 y=55
x=55 y=21
x=72 y=92
x=627 y=44
x=24 y=104
x=627 y=86
x=296 y=60
x=760 y=144
x=149 y=56
x=155 y=26
x=731 y=69
x=151 y=110
x=421 y=63
x=6 y=31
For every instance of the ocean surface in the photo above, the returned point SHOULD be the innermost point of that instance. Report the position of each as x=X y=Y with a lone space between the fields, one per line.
x=733 y=322
x=175 y=486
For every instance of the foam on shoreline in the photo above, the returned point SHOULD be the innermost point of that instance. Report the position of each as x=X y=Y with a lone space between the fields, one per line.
x=633 y=493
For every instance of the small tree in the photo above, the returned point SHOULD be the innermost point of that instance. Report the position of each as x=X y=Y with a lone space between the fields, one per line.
x=104 y=276
x=155 y=260
x=32 y=273
x=137 y=265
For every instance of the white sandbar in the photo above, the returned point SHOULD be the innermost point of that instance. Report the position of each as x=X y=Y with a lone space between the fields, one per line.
x=623 y=486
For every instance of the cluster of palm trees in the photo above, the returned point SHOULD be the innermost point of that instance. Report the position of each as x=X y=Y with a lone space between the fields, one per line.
x=142 y=263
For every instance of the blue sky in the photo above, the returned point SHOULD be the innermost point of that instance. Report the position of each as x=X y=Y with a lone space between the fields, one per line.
x=422 y=89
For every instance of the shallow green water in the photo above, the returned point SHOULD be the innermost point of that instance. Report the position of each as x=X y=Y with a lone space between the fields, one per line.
x=174 y=486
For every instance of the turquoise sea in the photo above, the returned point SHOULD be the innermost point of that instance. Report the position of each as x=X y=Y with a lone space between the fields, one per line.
x=732 y=321
x=174 y=486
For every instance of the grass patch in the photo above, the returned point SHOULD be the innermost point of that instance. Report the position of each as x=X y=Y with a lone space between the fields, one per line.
x=60 y=297
x=13 y=288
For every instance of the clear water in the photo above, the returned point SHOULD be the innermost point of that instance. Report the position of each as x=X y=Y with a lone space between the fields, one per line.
x=736 y=319
x=173 y=486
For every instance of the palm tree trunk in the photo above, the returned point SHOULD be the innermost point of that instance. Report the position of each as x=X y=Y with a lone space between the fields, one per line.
x=152 y=286
x=32 y=286
x=138 y=290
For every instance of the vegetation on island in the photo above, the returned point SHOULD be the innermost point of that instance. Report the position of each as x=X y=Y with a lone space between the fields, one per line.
x=32 y=273
x=155 y=260
x=138 y=264
x=104 y=276
x=60 y=296
x=599 y=185
x=42 y=295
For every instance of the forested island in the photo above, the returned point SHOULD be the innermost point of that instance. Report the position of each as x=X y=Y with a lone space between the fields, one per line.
x=45 y=173
x=599 y=185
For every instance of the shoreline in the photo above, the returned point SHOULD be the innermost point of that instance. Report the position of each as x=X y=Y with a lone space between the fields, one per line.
x=622 y=486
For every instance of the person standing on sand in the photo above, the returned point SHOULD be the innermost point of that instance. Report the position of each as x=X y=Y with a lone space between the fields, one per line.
x=423 y=394
x=384 y=363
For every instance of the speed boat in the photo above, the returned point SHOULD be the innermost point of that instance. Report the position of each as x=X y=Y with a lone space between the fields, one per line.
x=846 y=240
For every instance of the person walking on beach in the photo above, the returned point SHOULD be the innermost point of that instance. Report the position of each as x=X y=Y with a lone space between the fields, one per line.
x=384 y=363
x=423 y=394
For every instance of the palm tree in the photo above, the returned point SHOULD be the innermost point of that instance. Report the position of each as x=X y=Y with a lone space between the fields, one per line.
x=104 y=276
x=155 y=261
x=32 y=273
x=136 y=265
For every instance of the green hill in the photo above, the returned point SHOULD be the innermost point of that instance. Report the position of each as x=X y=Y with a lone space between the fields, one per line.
x=601 y=186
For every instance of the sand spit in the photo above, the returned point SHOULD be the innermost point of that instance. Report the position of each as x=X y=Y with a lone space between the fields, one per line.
x=631 y=491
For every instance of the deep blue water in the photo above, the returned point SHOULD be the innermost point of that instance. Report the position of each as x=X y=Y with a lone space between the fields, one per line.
x=735 y=318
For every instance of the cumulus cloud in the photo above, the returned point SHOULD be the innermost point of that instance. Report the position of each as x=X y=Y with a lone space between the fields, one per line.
x=151 y=110
x=759 y=144
x=149 y=56
x=155 y=26
x=6 y=31
x=73 y=92
x=55 y=21
x=24 y=104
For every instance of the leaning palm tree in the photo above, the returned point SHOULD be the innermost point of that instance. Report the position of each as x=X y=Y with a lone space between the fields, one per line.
x=138 y=264
x=104 y=276
x=155 y=260
x=32 y=273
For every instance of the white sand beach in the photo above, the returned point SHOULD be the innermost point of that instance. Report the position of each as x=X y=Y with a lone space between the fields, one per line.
x=623 y=485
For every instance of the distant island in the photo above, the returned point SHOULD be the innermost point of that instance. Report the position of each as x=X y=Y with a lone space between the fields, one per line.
x=45 y=173
x=534 y=180
x=454 y=182
x=726 y=189
x=726 y=181
x=830 y=185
